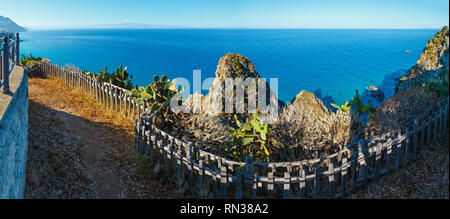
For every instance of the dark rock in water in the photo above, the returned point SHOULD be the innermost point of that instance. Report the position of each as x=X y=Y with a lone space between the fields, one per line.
x=328 y=100
x=376 y=93
x=318 y=93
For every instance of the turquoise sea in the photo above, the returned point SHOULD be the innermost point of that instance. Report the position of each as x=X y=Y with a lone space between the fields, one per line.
x=334 y=61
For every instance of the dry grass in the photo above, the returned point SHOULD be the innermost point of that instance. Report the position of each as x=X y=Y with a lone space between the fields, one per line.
x=90 y=110
x=60 y=96
x=313 y=136
x=94 y=148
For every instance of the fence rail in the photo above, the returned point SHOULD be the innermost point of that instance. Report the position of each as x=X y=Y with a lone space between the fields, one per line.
x=333 y=176
x=113 y=97
x=9 y=57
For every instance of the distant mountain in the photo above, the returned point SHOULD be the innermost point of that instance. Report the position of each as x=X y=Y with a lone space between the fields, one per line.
x=112 y=26
x=133 y=26
x=7 y=25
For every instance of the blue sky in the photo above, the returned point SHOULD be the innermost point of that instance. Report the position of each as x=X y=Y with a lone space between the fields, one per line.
x=232 y=13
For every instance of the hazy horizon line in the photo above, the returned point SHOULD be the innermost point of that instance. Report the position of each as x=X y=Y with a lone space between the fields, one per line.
x=162 y=26
x=227 y=27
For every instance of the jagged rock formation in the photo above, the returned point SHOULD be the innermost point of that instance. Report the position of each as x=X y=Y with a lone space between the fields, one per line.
x=312 y=104
x=234 y=66
x=7 y=25
x=209 y=123
x=310 y=130
x=431 y=63
x=376 y=93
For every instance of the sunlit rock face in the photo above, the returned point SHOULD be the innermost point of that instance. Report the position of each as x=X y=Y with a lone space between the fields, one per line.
x=431 y=63
x=311 y=104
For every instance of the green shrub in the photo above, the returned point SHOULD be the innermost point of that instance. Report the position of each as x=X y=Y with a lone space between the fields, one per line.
x=159 y=92
x=120 y=77
x=252 y=139
x=29 y=60
x=440 y=86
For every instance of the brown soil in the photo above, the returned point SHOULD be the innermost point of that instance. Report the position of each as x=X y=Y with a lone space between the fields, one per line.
x=79 y=149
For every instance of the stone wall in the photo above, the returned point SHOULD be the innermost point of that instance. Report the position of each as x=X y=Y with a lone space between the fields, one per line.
x=14 y=136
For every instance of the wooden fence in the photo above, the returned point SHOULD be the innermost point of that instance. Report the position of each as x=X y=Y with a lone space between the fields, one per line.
x=333 y=176
x=111 y=96
x=9 y=57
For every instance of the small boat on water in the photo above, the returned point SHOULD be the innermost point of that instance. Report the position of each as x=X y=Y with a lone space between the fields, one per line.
x=407 y=52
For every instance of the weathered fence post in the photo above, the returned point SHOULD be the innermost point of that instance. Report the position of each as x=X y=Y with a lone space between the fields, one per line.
x=270 y=182
x=436 y=121
x=354 y=166
x=137 y=133
x=343 y=175
x=287 y=183
x=250 y=171
x=302 y=185
x=223 y=178
x=398 y=149
x=389 y=155
x=441 y=121
x=429 y=123
x=5 y=69
x=239 y=184
x=331 y=178
x=17 y=49
x=407 y=146
x=317 y=182
x=190 y=166
x=416 y=136
x=200 y=174
x=378 y=161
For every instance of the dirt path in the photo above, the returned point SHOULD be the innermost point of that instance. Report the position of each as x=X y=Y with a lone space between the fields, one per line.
x=107 y=184
x=78 y=149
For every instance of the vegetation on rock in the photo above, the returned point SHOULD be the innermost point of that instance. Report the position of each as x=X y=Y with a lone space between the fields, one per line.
x=29 y=60
x=252 y=139
x=438 y=86
x=432 y=62
x=310 y=134
x=398 y=112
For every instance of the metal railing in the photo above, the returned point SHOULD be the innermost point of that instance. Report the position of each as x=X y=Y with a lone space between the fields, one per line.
x=9 y=58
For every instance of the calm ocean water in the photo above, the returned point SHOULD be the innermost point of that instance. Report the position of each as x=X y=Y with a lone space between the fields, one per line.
x=335 y=61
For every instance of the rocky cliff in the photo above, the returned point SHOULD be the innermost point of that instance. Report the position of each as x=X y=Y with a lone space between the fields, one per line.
x=431 y=63
x=210 y=123
x=7 y=25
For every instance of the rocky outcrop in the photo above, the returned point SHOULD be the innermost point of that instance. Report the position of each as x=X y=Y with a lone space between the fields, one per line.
x=376 y=93
x=231 y=66
x=213 y=130
x=235 y=66
x=312 y=104
x=310 y=129
x=431 y=63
